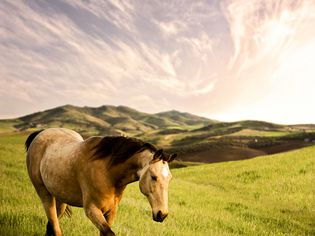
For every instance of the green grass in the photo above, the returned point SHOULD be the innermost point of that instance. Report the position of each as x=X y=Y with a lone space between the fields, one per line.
x=259 y=133
x=270 y=195
x=7 y=126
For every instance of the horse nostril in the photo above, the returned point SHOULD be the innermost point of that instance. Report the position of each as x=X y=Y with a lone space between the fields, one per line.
x=159 y=215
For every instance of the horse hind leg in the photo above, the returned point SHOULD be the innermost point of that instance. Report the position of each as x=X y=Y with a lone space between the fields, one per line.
x=62 y=208
x=49 y=230
x=50 y=206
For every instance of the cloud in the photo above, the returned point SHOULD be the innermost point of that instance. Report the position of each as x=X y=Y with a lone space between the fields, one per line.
x=149 y=103
x=118 y=13
x=265 y=28
x=201 y=46
x=205 y=57
x=51 y=49
x=171 y=28
x=269 y=36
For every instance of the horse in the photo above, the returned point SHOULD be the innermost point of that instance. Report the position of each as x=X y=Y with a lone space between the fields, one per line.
x=67 y=170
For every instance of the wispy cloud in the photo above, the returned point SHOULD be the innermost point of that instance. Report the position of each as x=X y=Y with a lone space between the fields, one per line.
x=206 y=57
x=267 y=63
x=171 y=28
x=118 y=13
x=266 y=28
x=93 y=52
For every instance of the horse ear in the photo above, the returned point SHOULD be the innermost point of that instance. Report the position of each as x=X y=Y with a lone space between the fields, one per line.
x=172 y=157
x=158 y=154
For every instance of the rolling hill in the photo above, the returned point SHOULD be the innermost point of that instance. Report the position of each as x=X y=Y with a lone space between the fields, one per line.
x=105 y=120
x=195 y=138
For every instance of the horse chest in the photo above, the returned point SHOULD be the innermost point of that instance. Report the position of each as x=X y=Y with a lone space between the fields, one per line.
x=109 y=203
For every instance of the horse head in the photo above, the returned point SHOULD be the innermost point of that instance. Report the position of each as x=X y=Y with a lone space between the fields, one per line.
x=154 y=181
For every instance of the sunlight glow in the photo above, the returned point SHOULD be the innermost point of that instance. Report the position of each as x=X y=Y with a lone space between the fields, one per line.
x=274 y=45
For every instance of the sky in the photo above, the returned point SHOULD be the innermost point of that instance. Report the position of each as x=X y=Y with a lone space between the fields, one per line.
x=222 y=59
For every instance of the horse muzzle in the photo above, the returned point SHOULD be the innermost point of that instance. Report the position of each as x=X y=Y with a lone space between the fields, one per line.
x=159 y=217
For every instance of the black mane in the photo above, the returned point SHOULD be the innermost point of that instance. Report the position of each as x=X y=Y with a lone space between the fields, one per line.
x=120 y=148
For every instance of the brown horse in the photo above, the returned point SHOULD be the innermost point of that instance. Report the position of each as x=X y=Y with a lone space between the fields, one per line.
x=93 y=173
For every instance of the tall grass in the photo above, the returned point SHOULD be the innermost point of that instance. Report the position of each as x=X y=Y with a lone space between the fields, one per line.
x=270 y=195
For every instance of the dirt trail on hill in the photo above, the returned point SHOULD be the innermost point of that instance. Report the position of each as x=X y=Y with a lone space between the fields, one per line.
x=220 y=154
x=286 y=147
x=233 y=153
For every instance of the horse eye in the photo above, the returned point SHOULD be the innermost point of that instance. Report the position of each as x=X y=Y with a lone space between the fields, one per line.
x=154 y=178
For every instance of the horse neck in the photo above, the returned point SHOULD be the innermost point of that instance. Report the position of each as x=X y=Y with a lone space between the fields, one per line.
x=129 y=171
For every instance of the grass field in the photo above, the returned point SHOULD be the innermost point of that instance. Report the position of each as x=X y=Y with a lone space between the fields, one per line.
x=269 y=195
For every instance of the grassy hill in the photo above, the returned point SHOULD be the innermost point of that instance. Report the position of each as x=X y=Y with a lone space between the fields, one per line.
x=269 y=195
x=195 y=138
x=104 y=120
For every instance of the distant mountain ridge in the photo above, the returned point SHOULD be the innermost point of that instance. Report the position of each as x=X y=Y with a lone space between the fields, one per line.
x=108 y=119
x=195 y=138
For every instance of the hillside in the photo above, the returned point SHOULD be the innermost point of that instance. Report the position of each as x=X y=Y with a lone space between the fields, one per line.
x=194 y=138
x=104 y=120
x=269 y=195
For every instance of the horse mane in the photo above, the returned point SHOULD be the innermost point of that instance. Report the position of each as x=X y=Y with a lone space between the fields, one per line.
x=119 y=148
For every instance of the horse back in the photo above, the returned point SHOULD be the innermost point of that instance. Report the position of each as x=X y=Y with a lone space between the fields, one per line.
x=39 y=142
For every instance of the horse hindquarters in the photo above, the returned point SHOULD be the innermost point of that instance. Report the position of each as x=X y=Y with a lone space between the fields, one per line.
x=34 y=157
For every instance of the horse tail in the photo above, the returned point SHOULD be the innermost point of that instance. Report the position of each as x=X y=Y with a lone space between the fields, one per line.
x=30 y=139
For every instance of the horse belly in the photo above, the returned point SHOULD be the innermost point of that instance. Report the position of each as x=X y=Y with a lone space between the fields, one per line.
x=59 y=177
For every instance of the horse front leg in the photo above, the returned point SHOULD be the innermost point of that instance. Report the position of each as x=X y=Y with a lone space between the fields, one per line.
x=98 y=219
x=109 y=217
